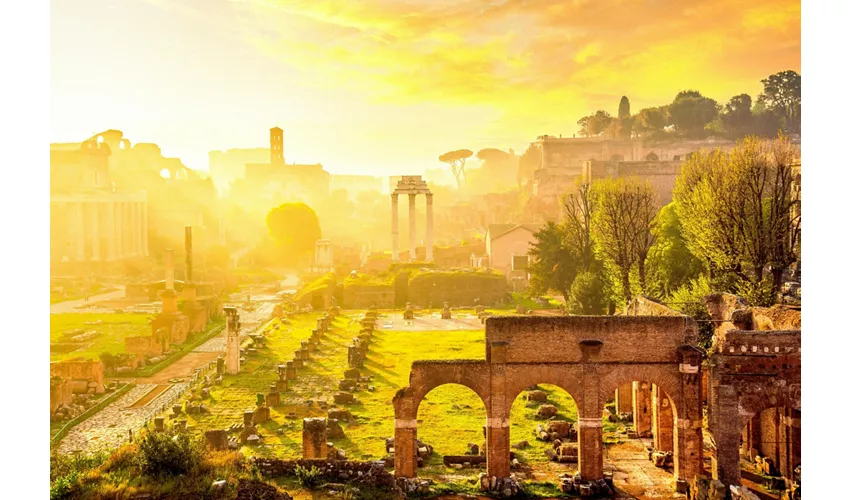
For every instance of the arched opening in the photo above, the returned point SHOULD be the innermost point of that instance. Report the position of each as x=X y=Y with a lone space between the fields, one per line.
x=770 y=450
x=451 y=421
x=165 y=173
x=639 y=438
x=651 y=157
x=544 y=431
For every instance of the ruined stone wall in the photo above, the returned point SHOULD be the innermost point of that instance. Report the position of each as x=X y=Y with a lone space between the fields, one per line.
x=78 y=369
x=644 y=306
x=362 y=297
x=659 y=337
x=60 y=393
x=337 y=471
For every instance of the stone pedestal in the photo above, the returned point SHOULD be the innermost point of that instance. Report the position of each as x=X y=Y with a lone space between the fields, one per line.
x=498 y=449
x=159 y=424
x=405 y=451
x=290 y=370
x=314 y=439
x=273 y=398
x=590 y=448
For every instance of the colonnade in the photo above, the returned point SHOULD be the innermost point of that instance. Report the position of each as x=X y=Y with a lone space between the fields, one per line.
x=429 y=226
x=99 y=229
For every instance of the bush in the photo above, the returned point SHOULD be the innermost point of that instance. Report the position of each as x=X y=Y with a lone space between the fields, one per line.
x=587 y=295
x=64 y=486
x=168 y=454
x=758 y=294
x=308 y=478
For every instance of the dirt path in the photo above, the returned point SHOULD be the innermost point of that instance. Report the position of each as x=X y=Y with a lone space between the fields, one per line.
x=71 y=306
x=182 y=368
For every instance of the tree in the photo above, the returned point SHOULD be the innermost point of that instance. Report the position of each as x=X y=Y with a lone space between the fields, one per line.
x=737 y=116
x=551 y=265
x=651 y=121
x=456 y=160
x=622 y=226
x=529 y=161
x=595 y=124
x=739 y=211
x=690 y=112
x=781 y=95
x=294 y=228
x=670 y=262
x=624 y=117
x=587 y=294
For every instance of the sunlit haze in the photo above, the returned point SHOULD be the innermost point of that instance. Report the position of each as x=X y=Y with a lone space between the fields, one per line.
x=384 y=86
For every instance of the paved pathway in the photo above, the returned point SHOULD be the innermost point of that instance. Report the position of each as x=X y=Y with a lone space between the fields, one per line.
x=77 y=306
x=635 y=476
x=110 y=427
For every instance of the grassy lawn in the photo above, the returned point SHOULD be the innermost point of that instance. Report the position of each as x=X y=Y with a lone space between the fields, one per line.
x=79 y=293
x=113 y=329
x=450 y=417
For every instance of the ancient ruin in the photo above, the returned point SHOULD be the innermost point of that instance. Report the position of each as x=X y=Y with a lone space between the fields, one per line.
x=412 y=185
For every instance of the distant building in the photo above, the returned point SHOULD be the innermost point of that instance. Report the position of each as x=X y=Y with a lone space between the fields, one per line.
x=275 y=179
x=227 y=166
x=505 y=242
x=91 y=220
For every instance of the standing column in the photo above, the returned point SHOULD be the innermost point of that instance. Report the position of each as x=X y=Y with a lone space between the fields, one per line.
x=110 y=231
x=405 y=453
x=119 y=231
x=590 y=426
x=128 y=228
x=395 y=226
x=429 y=227
x=145 y=229
x=412 y=215
x=94 y=221
x=136 y=234
x=498 y=421
x=80 y=233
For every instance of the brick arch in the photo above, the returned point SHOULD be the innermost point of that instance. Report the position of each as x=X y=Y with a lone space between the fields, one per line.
x=565 y=378
x=426 y=376
x=755 y=398
x=666 y=377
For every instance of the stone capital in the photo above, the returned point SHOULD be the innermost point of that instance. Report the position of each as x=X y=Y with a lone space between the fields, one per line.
x=589 y=423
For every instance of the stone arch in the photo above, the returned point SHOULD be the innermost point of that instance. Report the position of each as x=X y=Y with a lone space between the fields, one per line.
x=566 y=378
x=426 y=376
x=651 y=157
x=431 y=414
x=666 y=377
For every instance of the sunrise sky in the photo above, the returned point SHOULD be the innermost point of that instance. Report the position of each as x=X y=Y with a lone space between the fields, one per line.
x=385 y=86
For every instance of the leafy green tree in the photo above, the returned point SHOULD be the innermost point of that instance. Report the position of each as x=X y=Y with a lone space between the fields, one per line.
x=294 y=228
x=587 y=294
x=737 y=116
x=688 y=299
x=551 y=265
x=651 y=121
x=624 y=119
x=738 y=210
x=781 y=94
x=595 y=124
x=690 y=112
x=670 y=262
x=622 y=227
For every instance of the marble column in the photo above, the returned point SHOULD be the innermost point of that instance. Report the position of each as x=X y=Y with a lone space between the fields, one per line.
x=80 y=232
x=119 y=230
x=110 y=231
x=145 y=229
x=94 y=222
x=395 y=226
x=135 y=234
x=412 y=215
x=429 y=227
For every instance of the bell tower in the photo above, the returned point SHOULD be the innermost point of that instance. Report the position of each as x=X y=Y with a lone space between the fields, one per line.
x=276 y=140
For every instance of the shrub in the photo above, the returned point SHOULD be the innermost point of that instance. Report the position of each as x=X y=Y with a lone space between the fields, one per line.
x=758 y=294
x=308 y=478
x=64 y=486
x=587 y=294
x=168 y=454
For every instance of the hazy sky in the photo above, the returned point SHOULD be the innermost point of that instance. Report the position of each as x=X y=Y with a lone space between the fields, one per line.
x=385 y=86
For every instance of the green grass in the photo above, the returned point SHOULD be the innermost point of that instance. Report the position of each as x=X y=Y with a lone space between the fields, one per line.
x=113 y=330
x=391 y=354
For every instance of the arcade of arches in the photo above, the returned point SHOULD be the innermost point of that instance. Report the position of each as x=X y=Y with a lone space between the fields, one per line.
x=593 y=358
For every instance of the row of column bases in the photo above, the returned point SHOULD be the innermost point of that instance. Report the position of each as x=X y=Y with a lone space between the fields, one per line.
x=429 y=226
